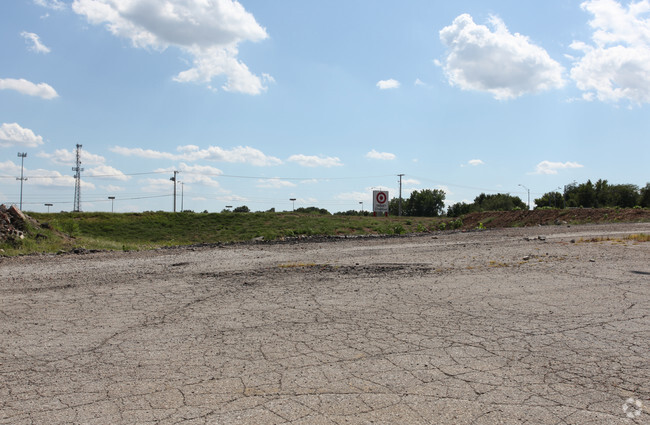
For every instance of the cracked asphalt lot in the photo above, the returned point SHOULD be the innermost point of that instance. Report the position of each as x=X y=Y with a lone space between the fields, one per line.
x=493 y=327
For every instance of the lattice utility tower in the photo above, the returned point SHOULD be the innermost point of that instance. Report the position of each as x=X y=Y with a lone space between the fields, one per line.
x=77 y=181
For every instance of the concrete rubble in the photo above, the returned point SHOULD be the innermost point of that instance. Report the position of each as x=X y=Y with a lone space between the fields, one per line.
x=12 y=223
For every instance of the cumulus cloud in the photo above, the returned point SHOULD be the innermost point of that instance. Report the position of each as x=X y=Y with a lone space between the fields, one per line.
x=410 y=182
x=274 y=183
x=315 y=161
x=548 y=167
x=42 y=90
x=496 y=61
x=113 y=188
x=106 y=171
x=355 y=196
x=616 y=66
x=14 y=135
x=373 y=154
x=69 y=157
x=41 y=177
x=238 y=154
x=51 y=4
x=199 y=174
x=208 y=31
x=34 y=42
x=388 y=84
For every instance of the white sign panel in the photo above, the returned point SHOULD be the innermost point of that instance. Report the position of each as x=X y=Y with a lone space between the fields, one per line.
x=380 y=201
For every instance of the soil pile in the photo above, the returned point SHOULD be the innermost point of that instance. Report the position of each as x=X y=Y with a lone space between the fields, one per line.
x=496 y=219
x=12 y=223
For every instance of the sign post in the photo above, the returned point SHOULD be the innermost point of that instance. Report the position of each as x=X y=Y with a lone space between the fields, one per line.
x=380 y=202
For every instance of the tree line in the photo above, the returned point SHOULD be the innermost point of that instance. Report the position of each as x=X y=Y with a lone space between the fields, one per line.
x=431 y=202
x=598 y=195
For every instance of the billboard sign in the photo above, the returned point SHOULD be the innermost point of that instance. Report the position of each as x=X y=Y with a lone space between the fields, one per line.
x=380 y=202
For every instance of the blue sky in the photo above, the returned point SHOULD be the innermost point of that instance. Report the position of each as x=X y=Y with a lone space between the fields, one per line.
x=256 y=102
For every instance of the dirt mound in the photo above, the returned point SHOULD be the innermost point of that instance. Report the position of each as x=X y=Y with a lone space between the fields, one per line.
x=12 y=223
x=493 y=219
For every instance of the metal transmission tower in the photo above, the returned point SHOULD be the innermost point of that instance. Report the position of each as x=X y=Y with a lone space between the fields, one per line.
x=22 y=156
x=77 y=181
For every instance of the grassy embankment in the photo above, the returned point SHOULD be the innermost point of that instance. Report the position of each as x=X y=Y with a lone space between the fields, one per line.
x=137 y=231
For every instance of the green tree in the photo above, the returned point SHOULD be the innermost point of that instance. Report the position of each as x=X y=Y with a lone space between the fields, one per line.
x=644 y=197
x=393 y=206
x=549 y=199
x=458 y=209
x=623 y=195
x=242 y=209
x=586 y=195
x=498 y=202
x=312 y=210
x=426 y=203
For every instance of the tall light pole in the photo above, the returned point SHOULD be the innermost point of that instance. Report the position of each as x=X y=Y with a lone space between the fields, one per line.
x=22 y=156
x=528 y=194
x=361 y=202
x=112 y=198
x=182 y=194
x=293 y=200
x=400 y=194
x=174 y=180
x=48 y=207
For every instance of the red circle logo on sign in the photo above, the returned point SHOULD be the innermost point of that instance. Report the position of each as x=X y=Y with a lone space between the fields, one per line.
x=381 y=197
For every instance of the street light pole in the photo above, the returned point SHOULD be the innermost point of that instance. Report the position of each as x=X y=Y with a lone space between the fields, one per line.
x=48 y=207
x=400 y=195
x=293 y=200
x=182 y=194
x=361 y=202
x=22 y=156
x=174 y=180
x=112 y=198
x=528 y=190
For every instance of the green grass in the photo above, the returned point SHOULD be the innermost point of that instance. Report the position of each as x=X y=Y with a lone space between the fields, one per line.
x=149 y=230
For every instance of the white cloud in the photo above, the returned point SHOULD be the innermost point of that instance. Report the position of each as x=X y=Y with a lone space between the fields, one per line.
x=445 y=189
x=496 y=61
x=209 y=31
x=315 y=161
x=106 y=171
x=41 y=177
x=51 y=4
x=113 y=188
x=274 y=183
x=365 y=197
x=410 y=182
x=42 y=90
x=144 y=153
x=388 y=84
x=475 y=162
x=205 y=170
x=231 y=198
x=373 y=154
x=69 y=157
x=200 y=174
x=421 y=83
x=617 y=66
x=14 y=135
x=34 y=42
x=150 y=185
x=548 y=167
x=239 y=154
